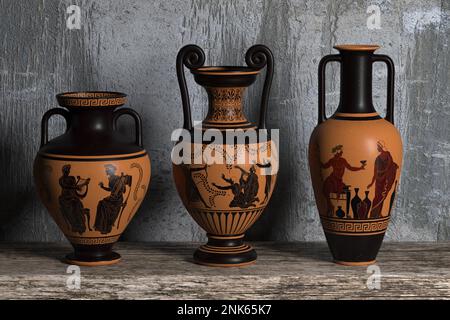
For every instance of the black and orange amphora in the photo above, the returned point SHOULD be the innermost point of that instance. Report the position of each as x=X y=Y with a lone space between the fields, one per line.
x=355 y=158
x=225 y=197
x=92 y=179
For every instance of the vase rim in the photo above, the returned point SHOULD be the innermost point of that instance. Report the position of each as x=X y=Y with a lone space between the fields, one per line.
x=225 y=70
x=357 y=47
x=91 y=99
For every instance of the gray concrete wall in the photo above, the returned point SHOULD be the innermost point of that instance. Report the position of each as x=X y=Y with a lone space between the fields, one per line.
x=130 y=46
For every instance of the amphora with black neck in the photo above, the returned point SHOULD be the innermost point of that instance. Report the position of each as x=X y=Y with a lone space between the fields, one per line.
x=225 y=184
x=355 y=150
x=92 y=179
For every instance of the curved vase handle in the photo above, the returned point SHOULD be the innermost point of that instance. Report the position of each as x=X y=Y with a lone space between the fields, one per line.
x=137 y=122
x=44 y=122
x=322 y=68
x=258 y=57
x=191 y=56
x=390 y=84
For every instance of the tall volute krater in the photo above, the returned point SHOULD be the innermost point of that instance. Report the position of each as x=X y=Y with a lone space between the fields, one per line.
x=225 y=184
x=91 y=179
x=355 y=150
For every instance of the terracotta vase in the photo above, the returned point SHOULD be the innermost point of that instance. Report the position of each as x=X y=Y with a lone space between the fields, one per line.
x=355 y=149
x=225 y=197
x=91 y=179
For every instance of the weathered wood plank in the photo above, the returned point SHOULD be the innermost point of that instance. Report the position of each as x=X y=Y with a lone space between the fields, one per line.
x=283 y=271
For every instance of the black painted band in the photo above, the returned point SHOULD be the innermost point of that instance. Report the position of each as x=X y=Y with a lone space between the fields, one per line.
x=91 y=159
x=356 y=118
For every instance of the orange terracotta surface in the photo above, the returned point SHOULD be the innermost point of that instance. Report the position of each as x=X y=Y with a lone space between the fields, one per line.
x=48 y=174
x=207 y=190
x=359 y=141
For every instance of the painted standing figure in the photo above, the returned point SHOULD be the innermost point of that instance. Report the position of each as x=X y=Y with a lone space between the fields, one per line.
x=250 y=185
x=109 y=208
x=334 y=183
x=72 y=209
x=384 y=173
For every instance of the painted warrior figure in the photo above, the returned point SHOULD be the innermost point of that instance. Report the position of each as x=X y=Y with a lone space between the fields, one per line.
x=384 y=173
x=245 y=191
x=73 y=190
x=110 y=208
x=334 y=183
x=250 y=185
x=238 y=199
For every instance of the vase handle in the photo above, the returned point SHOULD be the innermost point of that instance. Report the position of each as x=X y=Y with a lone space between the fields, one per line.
x=390 y=84
x=322 y=68
x=44 y=122
x=258 y=57
x=191 y=56
x=137 y=122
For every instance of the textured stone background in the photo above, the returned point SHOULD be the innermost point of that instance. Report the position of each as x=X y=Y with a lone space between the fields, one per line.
x=130 y=46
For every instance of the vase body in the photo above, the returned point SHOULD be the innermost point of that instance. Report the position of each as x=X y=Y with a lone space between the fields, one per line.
x=225 y=196
x=355 y=150
x=91 y=179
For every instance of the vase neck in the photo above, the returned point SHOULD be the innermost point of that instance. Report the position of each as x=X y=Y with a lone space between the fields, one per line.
x=225 y=108
x=92 y=121
x=356 y=82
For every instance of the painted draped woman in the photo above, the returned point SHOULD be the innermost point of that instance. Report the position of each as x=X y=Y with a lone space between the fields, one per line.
x=385 y=171
x=70 y=204
x=109 y=208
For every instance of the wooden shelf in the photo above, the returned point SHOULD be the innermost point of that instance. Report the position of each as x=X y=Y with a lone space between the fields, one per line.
x=283 y=271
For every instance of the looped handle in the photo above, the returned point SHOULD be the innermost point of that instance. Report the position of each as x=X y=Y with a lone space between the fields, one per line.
x=44 y=122
x=191 y=56
x=322 y=68
x=390 y=84
x=258 y=57
x=137 y=122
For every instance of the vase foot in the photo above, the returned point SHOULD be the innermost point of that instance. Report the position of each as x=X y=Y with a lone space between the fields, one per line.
x=106 y=261
x=355 y=263
x=91 y=256
x=225 y=252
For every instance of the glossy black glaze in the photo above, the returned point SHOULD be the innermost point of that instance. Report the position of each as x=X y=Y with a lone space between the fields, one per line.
x=228 y=77
x=354 y=248
x=193 y=57
x=259 y=56
x=220 y=258
x=91 y=131
x=93 y=253
x=356 y=82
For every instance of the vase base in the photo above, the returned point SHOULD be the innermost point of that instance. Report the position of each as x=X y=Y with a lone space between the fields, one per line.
x=111 y=258
x=355 y=263
x=225 y=252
